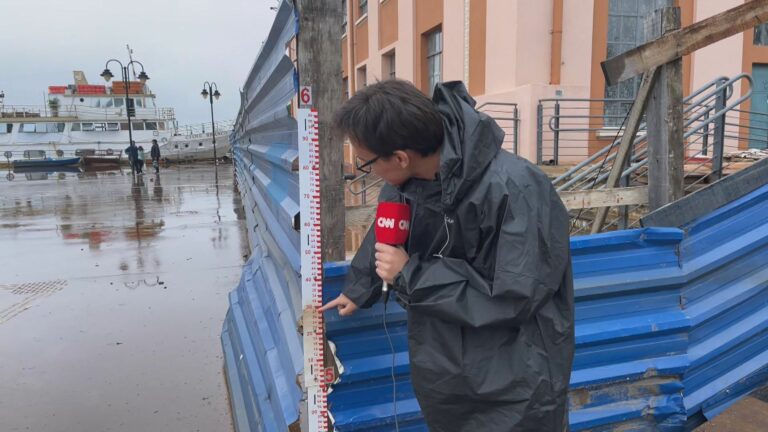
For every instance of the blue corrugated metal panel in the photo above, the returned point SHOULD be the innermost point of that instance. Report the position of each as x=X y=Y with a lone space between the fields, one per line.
x=672 y=328
x=262 y=346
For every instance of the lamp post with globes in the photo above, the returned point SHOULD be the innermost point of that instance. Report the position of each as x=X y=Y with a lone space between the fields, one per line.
x=212 y=89
x=129 y=107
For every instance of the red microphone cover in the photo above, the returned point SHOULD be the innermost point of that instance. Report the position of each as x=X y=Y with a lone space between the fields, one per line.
x=392 y=223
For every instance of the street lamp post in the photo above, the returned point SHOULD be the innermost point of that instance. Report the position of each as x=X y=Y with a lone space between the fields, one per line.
x=143 y=77
x=213 y=89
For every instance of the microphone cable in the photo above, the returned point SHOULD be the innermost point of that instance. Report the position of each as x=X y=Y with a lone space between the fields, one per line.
x=392 y=349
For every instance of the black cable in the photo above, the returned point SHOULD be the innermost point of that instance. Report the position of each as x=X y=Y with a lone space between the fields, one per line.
x=391 y=348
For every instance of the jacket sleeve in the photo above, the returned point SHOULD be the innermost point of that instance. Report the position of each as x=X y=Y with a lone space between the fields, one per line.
x=363 y=285
x=532 y=254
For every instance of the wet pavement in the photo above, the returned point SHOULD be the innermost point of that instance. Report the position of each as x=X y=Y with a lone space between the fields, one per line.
x=113 y=290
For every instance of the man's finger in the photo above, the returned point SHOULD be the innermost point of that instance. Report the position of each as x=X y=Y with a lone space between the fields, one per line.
x=330 y=305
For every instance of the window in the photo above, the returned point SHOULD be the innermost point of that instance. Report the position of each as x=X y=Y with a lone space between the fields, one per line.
x=5 y=128
x=99 y=127
x=119 y=102
x=87 y=127
x=626 y=30
x=75 y=127
x=124 y=126
x=113 y=126
x=27 y=128
x=343 y=16
x=109 y=103
x=761 y=34
x=388 y=65
x=363 y=8
x=199 y=144
x=139 y=103
x=150 y=126
x=345 y=87
x=434 y=59
x=176 y=146
x=137 y=125
x=161 y=125
x=54 y=127
x=362 y=78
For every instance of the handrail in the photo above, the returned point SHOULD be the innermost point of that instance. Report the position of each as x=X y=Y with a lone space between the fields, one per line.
x=720 y=84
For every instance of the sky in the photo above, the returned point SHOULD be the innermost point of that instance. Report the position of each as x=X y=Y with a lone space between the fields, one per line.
x=181 y=44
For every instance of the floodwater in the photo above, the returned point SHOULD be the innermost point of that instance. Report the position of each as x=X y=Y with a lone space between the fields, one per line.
x=113 y=289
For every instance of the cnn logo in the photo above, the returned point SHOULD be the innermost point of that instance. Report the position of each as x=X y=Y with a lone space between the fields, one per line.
x=385 y=222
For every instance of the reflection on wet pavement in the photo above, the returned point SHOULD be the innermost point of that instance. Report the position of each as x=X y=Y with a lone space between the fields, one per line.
x=113 y=289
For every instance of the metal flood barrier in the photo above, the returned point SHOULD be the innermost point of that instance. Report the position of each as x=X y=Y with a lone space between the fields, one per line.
x=671 y=325
x=670 y=320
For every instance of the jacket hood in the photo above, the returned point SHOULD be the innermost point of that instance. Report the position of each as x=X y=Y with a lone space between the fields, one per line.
x=471 y=141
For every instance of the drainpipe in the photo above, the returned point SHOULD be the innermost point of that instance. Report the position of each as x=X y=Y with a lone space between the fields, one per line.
x=557 y=42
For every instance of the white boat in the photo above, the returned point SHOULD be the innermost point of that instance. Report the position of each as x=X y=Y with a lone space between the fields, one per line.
x=81 y=117
x=195 y=142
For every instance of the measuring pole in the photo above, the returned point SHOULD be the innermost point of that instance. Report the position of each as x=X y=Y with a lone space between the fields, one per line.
x=316 y=377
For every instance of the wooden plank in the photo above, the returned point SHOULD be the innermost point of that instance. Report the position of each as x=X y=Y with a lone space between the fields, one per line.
x=664 y=119
x=705 y=201
x=633 y=123
x=319 y=57
x=575 y=200
x=678 y=43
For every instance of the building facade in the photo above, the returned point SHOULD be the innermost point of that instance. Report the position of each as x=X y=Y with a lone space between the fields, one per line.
x=531 y=53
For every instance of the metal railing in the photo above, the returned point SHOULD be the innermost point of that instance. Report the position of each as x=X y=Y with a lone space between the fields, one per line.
x=82 y=112
x=223 y=127
x=711 y=121
x=507 y=117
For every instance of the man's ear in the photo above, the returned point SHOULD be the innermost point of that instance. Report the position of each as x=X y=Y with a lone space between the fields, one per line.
x=403 y=159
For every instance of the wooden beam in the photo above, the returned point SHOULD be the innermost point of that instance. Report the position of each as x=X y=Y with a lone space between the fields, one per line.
x=685 y=41
x=319 y=56
x=664 y=119
x=576 y=200
x=633 y=123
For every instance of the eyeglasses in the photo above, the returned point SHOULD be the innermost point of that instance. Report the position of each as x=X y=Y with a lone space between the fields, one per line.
x=365 y=166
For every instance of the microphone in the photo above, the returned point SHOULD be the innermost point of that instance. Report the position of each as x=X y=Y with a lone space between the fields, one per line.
x=393 y=222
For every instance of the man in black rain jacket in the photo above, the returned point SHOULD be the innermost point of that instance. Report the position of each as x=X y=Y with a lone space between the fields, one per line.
x=486 y=274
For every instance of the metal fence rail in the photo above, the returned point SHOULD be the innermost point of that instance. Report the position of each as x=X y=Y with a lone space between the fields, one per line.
x=507 y=116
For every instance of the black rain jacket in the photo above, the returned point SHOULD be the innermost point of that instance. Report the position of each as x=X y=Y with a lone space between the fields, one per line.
x=488 y=286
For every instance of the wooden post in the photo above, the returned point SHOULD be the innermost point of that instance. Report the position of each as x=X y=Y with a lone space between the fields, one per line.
x=664 y=119
x=682 y=42
x=319 y=56
x=627 y=139
x=319 y=68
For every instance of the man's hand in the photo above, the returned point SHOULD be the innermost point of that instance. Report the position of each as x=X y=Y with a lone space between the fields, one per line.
x=390 y=261
x=342 y=303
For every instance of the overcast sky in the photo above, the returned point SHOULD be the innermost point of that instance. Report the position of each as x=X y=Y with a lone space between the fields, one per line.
x=182 y=43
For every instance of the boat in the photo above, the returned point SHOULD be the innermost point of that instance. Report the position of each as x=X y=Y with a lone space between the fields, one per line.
x=80 y=117
x=195 y=142
x=38 y=158
x=93 y=157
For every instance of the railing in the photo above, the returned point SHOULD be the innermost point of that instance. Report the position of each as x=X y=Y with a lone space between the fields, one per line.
x=82 y=112
x=223 y=127
x=507 y=117
x=707 y=132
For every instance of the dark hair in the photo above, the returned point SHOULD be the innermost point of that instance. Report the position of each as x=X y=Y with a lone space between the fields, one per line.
x=391 y=115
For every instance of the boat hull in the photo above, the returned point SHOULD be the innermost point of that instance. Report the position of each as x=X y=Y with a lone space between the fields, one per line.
x=48 y=162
